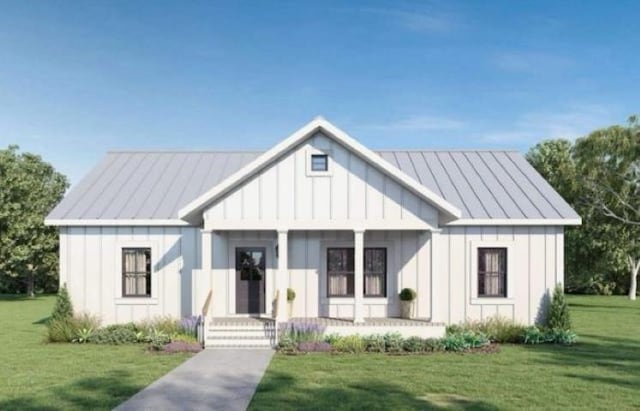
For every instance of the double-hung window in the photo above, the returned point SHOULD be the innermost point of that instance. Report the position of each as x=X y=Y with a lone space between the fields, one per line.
x=136 y=272
x=492 y=272
x=340 y=272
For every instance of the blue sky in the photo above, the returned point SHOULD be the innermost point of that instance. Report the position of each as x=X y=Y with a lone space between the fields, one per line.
x=78 y=79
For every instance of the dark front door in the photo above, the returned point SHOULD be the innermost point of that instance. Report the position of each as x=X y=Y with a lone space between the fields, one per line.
x=250 y=279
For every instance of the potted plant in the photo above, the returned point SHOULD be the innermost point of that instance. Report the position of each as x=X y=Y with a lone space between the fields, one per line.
x=291 y=295
x=407 y=295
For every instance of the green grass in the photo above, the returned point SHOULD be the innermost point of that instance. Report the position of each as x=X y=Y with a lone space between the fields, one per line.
x=601 y=372
x=35 y=375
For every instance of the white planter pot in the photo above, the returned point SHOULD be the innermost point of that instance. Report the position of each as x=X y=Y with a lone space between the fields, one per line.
x=406 y=309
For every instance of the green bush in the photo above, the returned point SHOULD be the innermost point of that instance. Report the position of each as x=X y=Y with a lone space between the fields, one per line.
x=63 y=308
x=408 y=294
x=433 y=345
x=166 y=324
x=413 y=344
x=497 y=329
x=291 y=294
x=353 y=344
x=157 y=339
x=83 y=335
x=374 y=343
x=558 y=313
x=533 y=335
x=61 y=330
x=331 y=338
x=393 y=342
x=116 y=334
x=565 y=337
x=464 y=341
x=286 y=344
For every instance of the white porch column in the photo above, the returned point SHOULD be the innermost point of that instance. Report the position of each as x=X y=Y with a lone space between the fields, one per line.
x=358 y=281
x=282 y=278
x=206 y=251
x=437 y=282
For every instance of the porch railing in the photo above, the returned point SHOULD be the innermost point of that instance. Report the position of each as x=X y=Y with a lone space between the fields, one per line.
x=204 y=328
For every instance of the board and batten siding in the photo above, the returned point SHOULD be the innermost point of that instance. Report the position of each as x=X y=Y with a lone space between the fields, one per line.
x=352 y=191
x=536 y=265
x=90 y=265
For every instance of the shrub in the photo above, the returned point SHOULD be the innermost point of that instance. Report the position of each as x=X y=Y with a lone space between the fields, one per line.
x=166 y=324
x=320 y=346
x=62 y=309
x=83 y=335
x=287 y=345
x=182 y=346
x=116 y=334
x=291 y=294
x=374 y=343
x=557 y=336
x=558 y=314
x=433 y=345
x=86 y=321
x=533 y=335
x=393 y=342
x=464 y=341
x=454 y=342
x=413 y=344
x=408 y=294
x=331 y=338
x=302 y=332
x=61 y=330
x=497 y=329
x=353 y=344
x=158 y=338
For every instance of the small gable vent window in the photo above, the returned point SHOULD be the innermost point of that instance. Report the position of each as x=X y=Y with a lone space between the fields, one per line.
x=319 y=162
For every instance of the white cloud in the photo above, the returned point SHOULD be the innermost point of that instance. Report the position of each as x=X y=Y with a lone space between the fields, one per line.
x=576 y=121
x=419 y=123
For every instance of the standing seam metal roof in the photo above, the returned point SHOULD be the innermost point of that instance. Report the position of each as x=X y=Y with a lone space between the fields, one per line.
x=483 y=184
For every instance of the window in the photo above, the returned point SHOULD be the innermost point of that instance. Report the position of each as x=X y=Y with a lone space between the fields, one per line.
x=136 y=272
x=319 y=162
x=340 y=272
x=492 y=272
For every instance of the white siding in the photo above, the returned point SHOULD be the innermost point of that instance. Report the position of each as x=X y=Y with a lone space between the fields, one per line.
x=352 y=191
x=536 y=265
x=90 y=264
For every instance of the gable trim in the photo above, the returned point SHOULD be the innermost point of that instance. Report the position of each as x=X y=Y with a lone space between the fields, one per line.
x=190 y=211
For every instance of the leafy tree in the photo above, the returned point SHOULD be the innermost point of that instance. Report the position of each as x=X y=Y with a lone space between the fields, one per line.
x=558 y=314
x=608 y=164
x=29 y=189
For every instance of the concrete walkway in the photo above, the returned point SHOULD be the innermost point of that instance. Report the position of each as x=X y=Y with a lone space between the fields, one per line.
x=211 y=380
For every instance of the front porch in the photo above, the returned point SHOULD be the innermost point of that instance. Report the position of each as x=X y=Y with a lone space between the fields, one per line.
x=260 y=332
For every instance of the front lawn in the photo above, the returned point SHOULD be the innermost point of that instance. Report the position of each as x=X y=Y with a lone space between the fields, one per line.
x=34 y=375
x=601 y=372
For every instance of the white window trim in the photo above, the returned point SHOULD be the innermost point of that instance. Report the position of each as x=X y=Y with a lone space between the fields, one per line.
x=511 y=277
x=119 y=298
x=389 y=286
x=318 y=151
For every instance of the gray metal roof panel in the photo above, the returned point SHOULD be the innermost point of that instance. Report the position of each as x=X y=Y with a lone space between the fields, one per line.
x=156 y=184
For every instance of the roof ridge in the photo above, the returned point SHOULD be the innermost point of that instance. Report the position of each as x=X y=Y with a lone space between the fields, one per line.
x=244 y=151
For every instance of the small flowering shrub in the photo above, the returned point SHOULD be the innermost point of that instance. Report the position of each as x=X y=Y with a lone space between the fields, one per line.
x=374 y=343
x=393 y=342
x=353 y=344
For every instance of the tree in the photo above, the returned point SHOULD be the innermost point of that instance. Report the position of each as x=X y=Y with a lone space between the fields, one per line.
x=558 y=314
x=608 y=165
x=29 y=189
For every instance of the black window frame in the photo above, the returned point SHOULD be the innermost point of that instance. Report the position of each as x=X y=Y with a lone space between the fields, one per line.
x=147 y=252
x=351 y=271
x=501 y=274
x=325 y=165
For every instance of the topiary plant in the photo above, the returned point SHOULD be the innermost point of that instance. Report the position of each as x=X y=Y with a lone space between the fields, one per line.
x=62 y=309
x=558 y=314
x=291 y=294
x=408 y=294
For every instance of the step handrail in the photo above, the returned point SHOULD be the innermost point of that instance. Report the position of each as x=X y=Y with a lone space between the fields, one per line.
x=205 y=311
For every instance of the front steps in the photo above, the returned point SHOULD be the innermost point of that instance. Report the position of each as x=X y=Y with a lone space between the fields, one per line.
x=241 y=333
